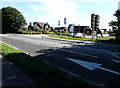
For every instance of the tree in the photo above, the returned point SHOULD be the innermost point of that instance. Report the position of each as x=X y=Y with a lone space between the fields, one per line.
x=113 y=24
x=12 y=20
x=117 y=14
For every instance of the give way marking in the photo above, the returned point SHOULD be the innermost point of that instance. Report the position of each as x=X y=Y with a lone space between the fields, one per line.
x=91 y=66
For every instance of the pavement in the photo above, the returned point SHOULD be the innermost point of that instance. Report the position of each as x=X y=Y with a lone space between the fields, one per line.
x=12 y=77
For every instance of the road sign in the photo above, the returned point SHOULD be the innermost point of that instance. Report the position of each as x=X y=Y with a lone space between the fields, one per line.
x=46 y=23
x=59 y=23
x=26 y=24
x=65 y=21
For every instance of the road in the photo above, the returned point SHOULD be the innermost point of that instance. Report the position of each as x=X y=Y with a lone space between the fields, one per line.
x=96 y=63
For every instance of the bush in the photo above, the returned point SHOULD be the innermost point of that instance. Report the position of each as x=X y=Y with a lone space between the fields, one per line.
x=58 y=33
x=46 y=32
x=52 y=33
x=110 y=32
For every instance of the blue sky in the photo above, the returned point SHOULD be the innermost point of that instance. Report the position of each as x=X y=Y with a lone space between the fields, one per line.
x=76 y=11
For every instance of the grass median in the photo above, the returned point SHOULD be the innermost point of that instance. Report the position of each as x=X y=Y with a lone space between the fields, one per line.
x=104 y=39
x=42 y=74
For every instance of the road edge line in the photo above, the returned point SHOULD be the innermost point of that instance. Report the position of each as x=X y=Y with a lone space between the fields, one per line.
x=18 y=68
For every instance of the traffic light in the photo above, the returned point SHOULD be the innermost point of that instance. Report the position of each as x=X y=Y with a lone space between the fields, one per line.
x=92 y=21
x=95 y=22
x=65 y=21
x=97 y=17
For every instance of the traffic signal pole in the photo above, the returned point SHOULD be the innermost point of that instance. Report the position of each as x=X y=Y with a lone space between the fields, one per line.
x=92 y=33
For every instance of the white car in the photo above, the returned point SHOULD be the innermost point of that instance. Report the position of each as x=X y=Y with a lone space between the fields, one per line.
x=71 y=34
x=78 y=35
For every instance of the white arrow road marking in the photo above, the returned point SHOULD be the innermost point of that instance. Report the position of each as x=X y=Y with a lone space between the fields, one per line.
x=88 y=65
x=115 y=60
x=91 y=66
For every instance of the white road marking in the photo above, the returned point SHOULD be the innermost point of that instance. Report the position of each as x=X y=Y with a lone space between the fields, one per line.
x=91 y=66
x=15 y=47
x=79 y=53
x=106 y=51
x=111 y=53
x=115 y=60
x=105 y=69
x=47 y=62
x=75 y=75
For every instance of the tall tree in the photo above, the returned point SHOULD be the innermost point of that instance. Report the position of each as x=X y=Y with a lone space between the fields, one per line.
x=117 y=14
x=12 y=20
x=113 y=24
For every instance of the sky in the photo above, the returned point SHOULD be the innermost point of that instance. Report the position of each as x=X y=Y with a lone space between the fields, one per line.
x=76 y=11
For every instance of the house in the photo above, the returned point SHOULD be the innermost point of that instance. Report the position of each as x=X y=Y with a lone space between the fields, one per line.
x=60 y=30
x=88 y=31
x=42 y=26
x=79 y=29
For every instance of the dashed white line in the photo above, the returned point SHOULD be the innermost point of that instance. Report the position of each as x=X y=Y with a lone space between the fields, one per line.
x=115 y=60
x=79 y=53
x=111 y=54
x=75 y=75
x=106 y=51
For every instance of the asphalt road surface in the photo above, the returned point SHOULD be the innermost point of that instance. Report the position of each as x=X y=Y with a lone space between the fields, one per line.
x=96 y=63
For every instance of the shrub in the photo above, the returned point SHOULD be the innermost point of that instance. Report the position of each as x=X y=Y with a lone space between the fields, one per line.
x=58 y=33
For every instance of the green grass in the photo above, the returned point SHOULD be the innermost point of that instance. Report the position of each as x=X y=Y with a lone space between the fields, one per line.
x=105 y=39
x=44 y=75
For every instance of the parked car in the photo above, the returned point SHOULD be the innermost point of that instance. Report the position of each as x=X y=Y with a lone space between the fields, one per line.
x=71 y=34
x=78 y=35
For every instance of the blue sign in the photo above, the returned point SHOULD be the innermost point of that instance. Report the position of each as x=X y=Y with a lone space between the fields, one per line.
x=65 y=21
x=26 y=24
x=46 y=23
x=59 y=23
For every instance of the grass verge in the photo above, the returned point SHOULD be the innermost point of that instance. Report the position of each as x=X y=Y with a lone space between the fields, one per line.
x=104 y=39
x=44 y=75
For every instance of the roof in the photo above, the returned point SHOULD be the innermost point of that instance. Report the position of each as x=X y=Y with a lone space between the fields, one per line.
x=41 y=24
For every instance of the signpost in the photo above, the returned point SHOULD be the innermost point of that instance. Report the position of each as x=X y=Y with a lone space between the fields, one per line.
x=65 y=23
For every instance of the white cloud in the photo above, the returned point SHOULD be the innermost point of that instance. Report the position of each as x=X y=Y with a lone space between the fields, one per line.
x=55 y=10
x=34 y=7
x=56 y=0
